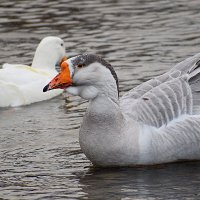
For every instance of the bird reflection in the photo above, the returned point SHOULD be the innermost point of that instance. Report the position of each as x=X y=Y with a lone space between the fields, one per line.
x=163 y=181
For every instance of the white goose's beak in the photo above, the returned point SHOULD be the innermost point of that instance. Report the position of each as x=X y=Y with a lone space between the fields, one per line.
x=63 y=59
x=62 y=80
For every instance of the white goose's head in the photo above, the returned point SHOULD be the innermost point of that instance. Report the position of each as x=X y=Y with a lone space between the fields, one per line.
x=49 y=53
x=86 y=75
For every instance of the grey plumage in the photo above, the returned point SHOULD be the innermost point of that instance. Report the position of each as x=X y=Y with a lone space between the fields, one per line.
x=154 y=123
x=164 y=98
x=87 y=59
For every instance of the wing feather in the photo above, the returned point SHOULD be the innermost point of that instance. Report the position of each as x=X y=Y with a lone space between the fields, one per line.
x=166 y=97
x=163 y=103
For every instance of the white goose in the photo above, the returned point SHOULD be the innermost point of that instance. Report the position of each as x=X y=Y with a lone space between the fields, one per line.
x=21 y=84
x=156 y=122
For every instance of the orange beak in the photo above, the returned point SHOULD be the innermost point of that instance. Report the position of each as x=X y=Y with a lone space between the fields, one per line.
x=62 y=80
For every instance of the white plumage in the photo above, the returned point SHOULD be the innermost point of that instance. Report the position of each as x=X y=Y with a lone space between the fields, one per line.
x=22 y=85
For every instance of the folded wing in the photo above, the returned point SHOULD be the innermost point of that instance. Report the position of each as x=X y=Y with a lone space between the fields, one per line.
x=167 y=97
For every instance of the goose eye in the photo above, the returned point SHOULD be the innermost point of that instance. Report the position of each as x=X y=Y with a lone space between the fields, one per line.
x=61 y=44
x=80 y=65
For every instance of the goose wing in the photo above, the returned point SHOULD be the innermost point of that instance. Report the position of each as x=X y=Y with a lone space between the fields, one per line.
x=167 y=97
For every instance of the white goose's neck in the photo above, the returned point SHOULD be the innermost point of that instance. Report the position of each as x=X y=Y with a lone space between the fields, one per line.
x=41 y=60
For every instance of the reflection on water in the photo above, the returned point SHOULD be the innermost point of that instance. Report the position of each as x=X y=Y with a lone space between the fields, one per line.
x=40 y=157
x=158 y=182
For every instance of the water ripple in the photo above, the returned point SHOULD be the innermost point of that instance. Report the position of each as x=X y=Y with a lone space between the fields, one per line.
x=40 y=157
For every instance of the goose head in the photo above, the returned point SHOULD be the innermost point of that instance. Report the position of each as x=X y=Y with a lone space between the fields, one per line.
x=88 y=76
x=49 y=53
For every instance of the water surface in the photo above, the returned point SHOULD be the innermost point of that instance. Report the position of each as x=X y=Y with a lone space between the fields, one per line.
x=40 y=157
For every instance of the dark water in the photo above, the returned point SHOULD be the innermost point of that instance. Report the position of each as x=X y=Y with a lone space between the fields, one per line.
x=40 y=157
